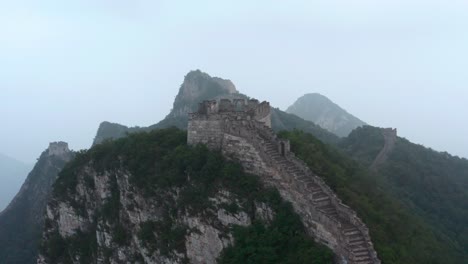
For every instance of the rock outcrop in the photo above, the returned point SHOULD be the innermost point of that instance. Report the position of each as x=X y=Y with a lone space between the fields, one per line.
x=323 y=112
x=21 y=222
x=247 y=137
x=80 y=216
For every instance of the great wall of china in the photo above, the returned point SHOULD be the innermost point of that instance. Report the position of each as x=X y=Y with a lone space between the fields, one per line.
x=242 y=131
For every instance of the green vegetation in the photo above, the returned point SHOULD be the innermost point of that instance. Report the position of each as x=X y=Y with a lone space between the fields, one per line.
x=161 y=164
x=59 y=250
x=363 y=148
x=281 y=241
x=165 y=236
x=281 y=121
x=432 y=184
x=399 y=235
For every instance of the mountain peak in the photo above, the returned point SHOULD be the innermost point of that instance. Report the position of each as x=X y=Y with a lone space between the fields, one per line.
x=197 y=87
x=196 y=83
x=322 y=111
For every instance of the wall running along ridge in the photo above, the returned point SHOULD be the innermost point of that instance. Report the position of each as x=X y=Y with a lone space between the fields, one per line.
x=242 y=131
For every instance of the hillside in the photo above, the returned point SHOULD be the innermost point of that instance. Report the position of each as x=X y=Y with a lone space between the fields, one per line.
x=150 y=198
x=12 y=175
x=197 y=87
x=121 y=196
x=325 y=113
x=434 y=185
x=400 y=233
x=22 y=221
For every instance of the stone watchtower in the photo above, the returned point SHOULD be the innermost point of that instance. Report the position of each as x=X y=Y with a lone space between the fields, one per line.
x=58 y=148
x=214 y=119
x=241 y=129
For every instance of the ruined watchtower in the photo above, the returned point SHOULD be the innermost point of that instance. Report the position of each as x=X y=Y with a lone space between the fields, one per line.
x=216 y=118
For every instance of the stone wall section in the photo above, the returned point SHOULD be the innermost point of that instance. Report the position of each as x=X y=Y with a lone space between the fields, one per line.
x=58 y=148
x=390 y=136
x=246 y=137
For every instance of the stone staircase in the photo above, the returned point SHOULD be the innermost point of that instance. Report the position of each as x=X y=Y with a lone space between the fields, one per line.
x=354 y=239
x=247 y=137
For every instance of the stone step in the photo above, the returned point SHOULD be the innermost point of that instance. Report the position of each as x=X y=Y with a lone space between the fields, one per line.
x=323 y=203
x=327 y=207
x=363 y=258
x=321 y=199
x=349 y=228
x=346 y=225
x=364 y=262
x=313 y=187
x=361 y=254
x=355 y=237
x=319 y=194
x=358 y=248
x=348 y=233
x=361 y=242
x=316 y=191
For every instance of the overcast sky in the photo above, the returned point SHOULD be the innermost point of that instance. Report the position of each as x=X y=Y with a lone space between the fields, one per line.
x=65 y=66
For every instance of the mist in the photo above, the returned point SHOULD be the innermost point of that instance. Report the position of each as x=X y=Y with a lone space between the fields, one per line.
x=67 y=66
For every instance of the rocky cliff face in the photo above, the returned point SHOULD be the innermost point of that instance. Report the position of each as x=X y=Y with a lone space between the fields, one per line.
x=323 y=112
x=21 y=222
x=197 y=87
x=150 y=198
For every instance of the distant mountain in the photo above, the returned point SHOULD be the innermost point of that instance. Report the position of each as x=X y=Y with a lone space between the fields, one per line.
x=22 y=221
x=322 y=111
x=197 y=87
x=434 y=185
x=12 y=175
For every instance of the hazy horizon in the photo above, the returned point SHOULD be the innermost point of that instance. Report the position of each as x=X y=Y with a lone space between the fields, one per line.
x=67 y=66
